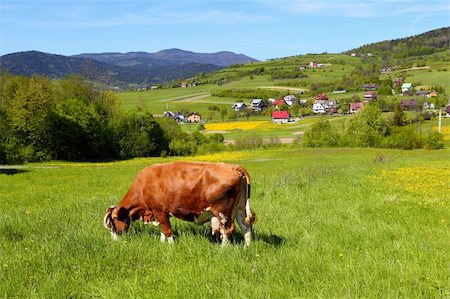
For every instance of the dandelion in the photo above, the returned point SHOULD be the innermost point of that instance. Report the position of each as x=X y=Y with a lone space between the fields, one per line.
x=421 y=180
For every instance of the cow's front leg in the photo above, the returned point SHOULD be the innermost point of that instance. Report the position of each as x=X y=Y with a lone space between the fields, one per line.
x=166 y=229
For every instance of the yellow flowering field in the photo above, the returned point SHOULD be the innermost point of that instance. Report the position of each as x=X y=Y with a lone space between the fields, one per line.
x=445 y=131
x=222 y=156
x=259 y=125
x=428 y=181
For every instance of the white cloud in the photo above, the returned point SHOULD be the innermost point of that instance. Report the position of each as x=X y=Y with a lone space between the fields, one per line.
x=363 y=9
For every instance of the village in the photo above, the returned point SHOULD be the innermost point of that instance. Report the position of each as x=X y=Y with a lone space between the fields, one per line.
x=287 y=109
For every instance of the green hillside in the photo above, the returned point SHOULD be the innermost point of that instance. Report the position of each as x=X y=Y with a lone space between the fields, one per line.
x=339 y=71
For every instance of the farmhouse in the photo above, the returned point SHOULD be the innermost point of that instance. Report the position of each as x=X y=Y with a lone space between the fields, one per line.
x=319 y=106
x=278 y=103
x=194 y=117
x=290 y=100
x=258 y=105
x=321 y=97
x=428 y=105
x=178 y=117
x=370 y=86
x=422 y=93
x=408 y=104
x=355 y=107
x=239 y=106
x=370 y=96
x=407 y=88
x=281 y=116
x=447 y=111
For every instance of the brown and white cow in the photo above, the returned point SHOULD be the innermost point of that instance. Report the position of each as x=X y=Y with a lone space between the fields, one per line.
x=192 y=191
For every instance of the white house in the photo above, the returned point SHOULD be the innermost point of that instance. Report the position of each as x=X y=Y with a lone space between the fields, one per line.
x=290 y=100
x=319 y=106
x=407 y=87
x=239 y=106
x=257 y=105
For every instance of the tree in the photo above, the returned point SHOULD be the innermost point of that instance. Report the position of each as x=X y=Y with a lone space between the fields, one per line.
x=366 y=128
x=139 y=135
x=320 y=135
x=399 y=118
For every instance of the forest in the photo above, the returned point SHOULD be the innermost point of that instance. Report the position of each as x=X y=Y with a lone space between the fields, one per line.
x=71 y=119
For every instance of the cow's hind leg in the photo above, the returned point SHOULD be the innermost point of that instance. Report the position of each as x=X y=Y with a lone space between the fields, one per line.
x=166 y=229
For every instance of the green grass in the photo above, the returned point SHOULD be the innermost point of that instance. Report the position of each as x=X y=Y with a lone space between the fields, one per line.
x=331 y=223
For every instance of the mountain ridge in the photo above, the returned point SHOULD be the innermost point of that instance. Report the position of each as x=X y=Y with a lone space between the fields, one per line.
x=115 y=68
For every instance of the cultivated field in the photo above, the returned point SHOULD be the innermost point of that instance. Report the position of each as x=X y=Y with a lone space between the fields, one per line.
x=368 y=223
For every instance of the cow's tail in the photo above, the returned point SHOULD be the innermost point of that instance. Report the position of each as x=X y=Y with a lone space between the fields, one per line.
x=249 y=215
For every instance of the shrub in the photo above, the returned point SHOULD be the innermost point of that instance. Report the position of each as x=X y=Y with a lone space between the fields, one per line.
x=407 y=138
x=320 y=135
x=434 y=141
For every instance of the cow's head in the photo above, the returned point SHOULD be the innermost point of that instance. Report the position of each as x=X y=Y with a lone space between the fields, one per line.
x=116 y=220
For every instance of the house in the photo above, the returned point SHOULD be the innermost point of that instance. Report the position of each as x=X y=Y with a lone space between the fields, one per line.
x=370 y=86
x=178 y=117
x=278 y=103
x=313 y=65
x=331 y=106
x=321 y=97
x=422 y=93
x=281 y=117
x=355 y=107
x=353 y=54
x=194 y=117
x=258 y=105
x=239 y=106
x=290 y=100
x=432 y=94
x=302 y=67
x=370 y=96
x=407 y=87
x=408 y=104
x=428 y=105
x=319 y=106
x=447 y=111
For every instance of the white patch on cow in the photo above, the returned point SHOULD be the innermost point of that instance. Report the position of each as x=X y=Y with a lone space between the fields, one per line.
x=224 y=237
x=155 y=223
x=248 y=238
x=114 y=236
x=215 y=225
x=224 y=219
x=170 y=240
x=163 y=238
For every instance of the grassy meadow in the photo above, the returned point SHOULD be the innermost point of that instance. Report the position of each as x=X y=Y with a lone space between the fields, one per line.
x=342 y=222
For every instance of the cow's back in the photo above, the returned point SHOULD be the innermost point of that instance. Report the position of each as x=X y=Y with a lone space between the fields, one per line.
x=189 y=186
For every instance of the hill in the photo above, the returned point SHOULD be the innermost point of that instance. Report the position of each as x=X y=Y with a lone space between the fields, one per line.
x=120 y=69
x=422 y=44
x=170 y=57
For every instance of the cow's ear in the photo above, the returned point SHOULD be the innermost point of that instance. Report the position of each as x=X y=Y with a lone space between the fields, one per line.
x=122 y=214
x=110 y=209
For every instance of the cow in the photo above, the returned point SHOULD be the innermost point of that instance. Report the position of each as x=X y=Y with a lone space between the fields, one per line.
x=194 y=191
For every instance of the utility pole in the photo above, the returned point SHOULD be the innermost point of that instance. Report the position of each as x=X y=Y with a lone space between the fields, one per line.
x=167 y=105
x=440 y=121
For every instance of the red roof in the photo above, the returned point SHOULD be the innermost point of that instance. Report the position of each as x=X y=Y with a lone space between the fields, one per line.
x=281 y=114
x=279 y=103
x=356 y=105
x=321 y=96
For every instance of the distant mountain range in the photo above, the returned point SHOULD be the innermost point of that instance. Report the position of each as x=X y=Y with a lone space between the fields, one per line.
x=121 y=68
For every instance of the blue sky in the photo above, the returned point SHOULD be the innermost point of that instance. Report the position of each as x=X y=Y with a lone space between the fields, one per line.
x=260 y=29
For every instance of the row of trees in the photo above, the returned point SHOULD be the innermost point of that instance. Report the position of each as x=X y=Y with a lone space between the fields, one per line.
x=370 y=129
x=72 y=120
